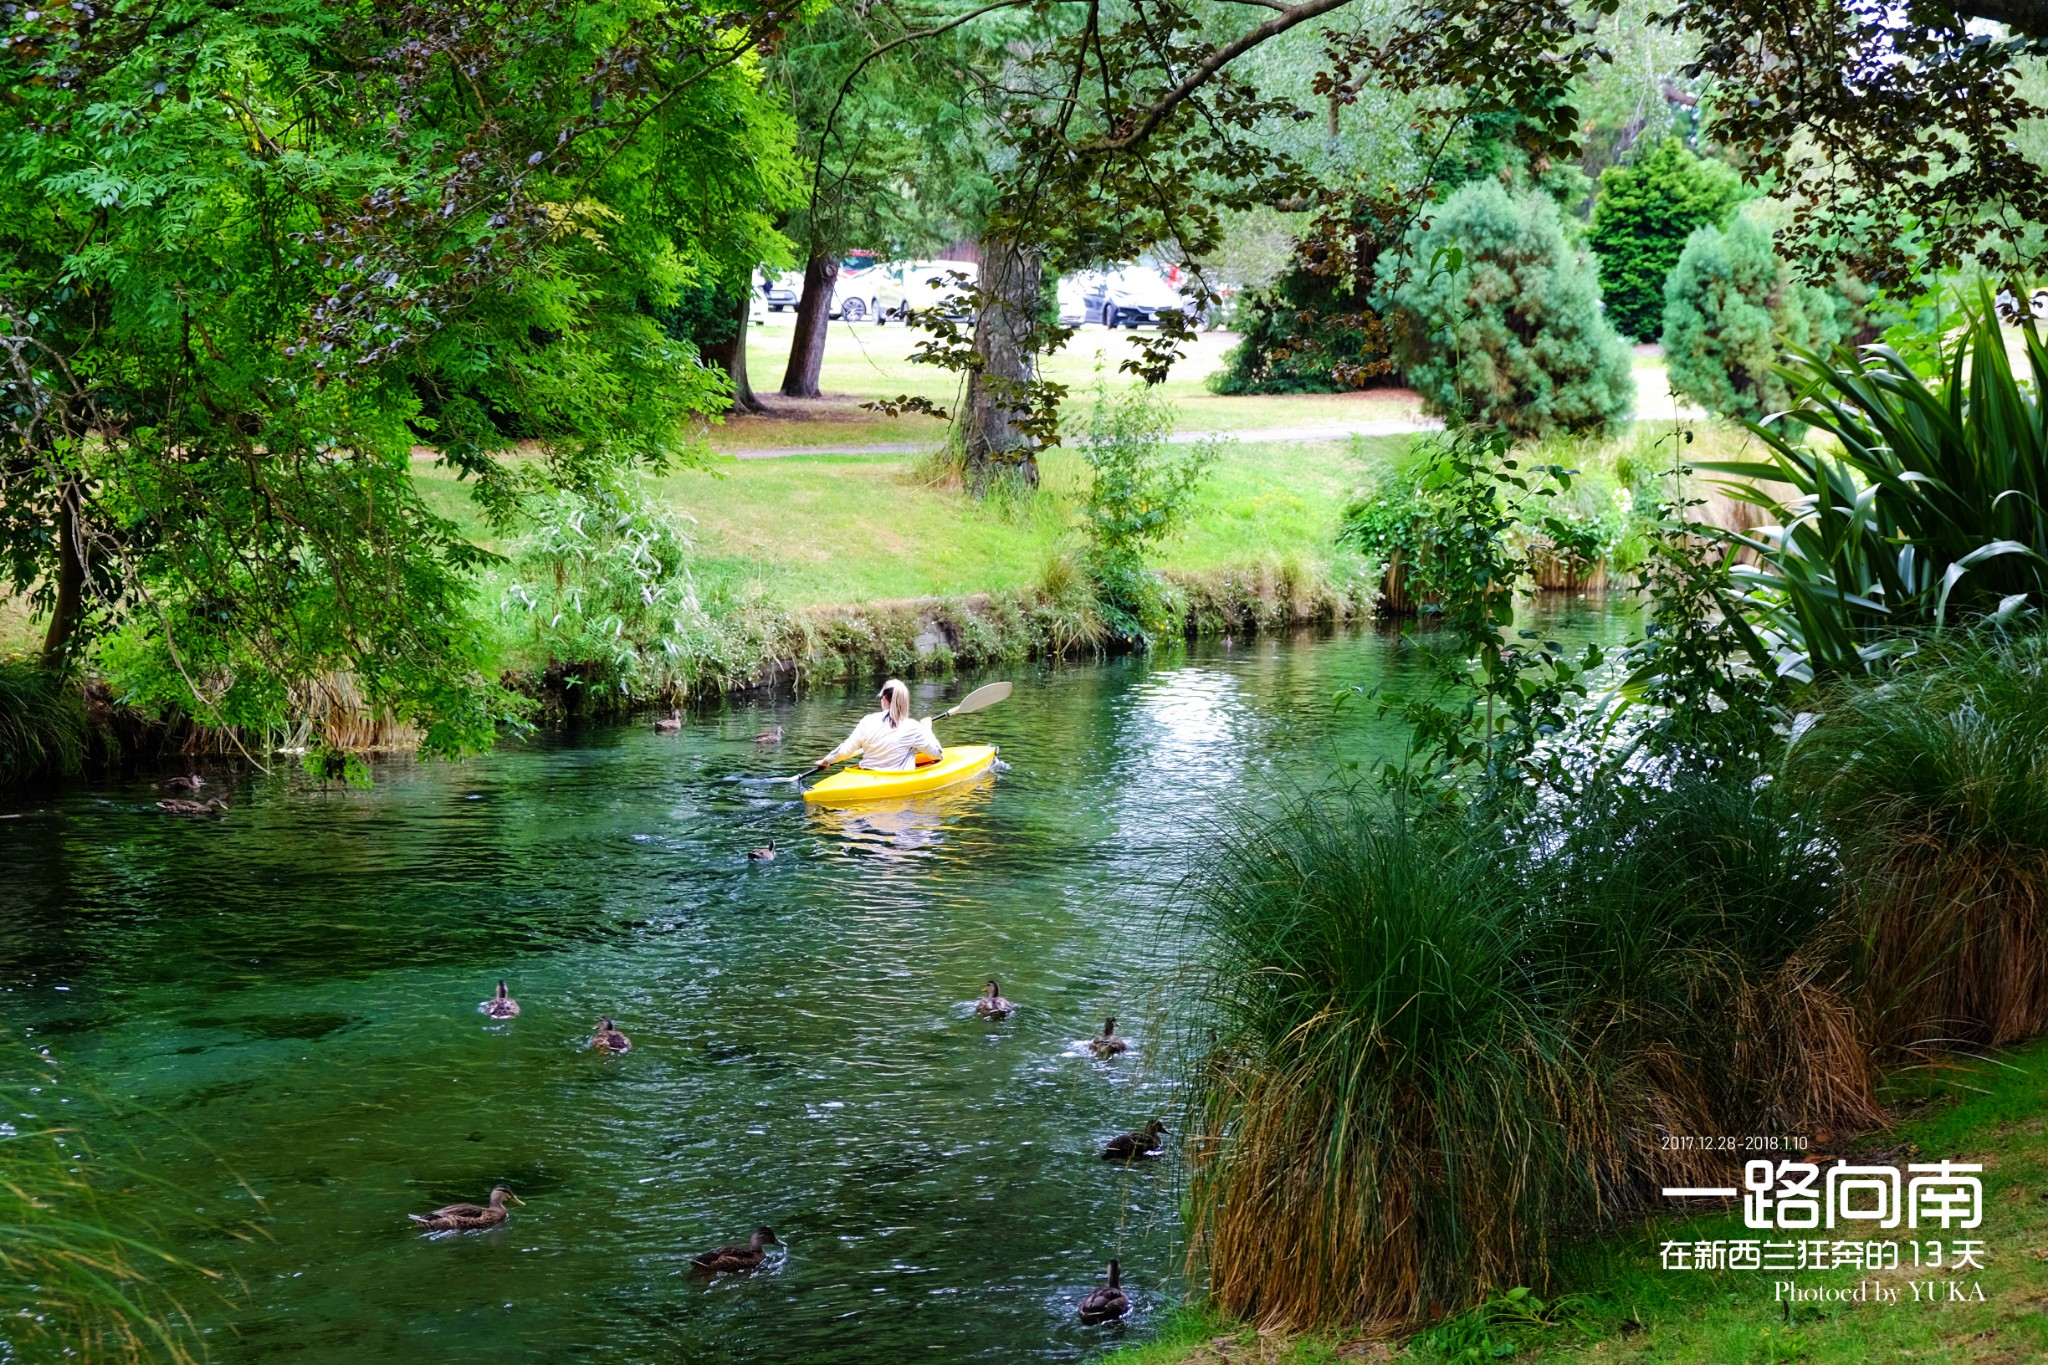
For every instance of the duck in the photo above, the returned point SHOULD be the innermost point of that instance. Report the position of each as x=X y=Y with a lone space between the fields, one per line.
x=501 y=1005
x=992 y=1005
x=737 y=1260
x=189 y=782
x=1108 y=1045
x=609 y=1039
x=764 y=854
x=670 y=724
x=468 y=1217
x=1108 y=1302
x=179 y=806
x=1129 y=1147
x=770 y=736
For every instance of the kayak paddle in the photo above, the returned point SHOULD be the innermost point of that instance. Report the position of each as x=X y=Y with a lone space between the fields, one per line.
x=980 y=699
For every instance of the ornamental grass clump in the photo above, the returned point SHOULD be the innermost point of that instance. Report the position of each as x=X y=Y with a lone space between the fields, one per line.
x=1937 y=779
x=1436 y=1044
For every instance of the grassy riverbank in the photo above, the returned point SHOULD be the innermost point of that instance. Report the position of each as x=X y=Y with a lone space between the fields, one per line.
x=1613 y=1302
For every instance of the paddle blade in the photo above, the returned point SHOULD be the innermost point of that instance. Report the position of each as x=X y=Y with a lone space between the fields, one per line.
x=981 y=698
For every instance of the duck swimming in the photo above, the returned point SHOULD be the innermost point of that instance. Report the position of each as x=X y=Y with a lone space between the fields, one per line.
x=1109 y=1302
x=736 y=1260
x=1108 y=1045
x=770 y=736
x=765 y=854
x=1129 y=1147
x=992 y=1005
x=670 y=724
x=609 y=1039
x=190 y=782
x=179 y=806
x=468 y=1217
x=501 y=1005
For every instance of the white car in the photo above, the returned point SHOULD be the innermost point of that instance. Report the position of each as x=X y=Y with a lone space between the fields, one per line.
x=783 y=291
x=1073 y=297
x=909 y=285
x=1132 y=297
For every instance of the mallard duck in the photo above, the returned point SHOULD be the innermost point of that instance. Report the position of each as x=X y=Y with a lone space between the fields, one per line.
x=609 y=1039
x=190 y=782
x=501 y=1005
x=992 y=1005
x=176 y=805
x=468 y=1217
x=1108 y=1302
x=1108 y=1045
x=765 y=854
x=1128 y=1147
x=735 y=1260
x=770 y=736
x=670 y=724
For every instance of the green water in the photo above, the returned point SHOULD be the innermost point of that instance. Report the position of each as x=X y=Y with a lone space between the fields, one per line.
x=281 y=1006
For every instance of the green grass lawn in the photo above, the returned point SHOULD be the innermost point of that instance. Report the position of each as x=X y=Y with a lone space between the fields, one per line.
x=1617 y=1305
x=838 y=530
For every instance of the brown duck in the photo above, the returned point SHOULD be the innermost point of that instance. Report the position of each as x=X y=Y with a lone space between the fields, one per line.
x=770 y=736
x=764 y=854
x=992 y=1005
x=736 y=1260
x=179 y=806
x=189 y=782
x=1129 y=1147
x=609 y=1039
x=1108 y=1045
x=501 y=1005
x=1108 y=1302
x=670 y=724
x=467 y=1217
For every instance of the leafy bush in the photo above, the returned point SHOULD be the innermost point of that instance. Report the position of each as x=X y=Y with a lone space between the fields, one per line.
x=1139 y=497
x=1499 y=321
x=1924 y=505
x=1296 y=334
x=1730 y=308
x=1642 y=218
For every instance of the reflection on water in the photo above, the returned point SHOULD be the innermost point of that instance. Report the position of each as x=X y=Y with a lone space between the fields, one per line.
x=287 y=997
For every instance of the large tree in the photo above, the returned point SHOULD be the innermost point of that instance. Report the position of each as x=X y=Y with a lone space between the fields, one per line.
x=254 y=256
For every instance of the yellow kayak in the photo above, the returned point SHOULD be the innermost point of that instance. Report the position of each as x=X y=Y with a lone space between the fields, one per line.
x=962 y=763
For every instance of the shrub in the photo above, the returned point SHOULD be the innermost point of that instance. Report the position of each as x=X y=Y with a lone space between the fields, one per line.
x=1296 y=334
x=1925 y=503
x=1511 y=333
x=42 y=722
x=1730 y=307
x=1642 y=218
x=1139 y=497
x=1937 y=779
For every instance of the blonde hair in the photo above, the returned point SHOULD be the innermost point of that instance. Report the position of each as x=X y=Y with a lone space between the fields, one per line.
x=895 y=701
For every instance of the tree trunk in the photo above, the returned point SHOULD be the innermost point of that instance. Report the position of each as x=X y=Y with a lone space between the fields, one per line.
x=731 y=356
x=813 y=311
x=998 y=393
x=69 y=608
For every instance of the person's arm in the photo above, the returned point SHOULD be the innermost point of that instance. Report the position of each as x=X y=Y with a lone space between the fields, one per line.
x=927 y=742
x=855 y=743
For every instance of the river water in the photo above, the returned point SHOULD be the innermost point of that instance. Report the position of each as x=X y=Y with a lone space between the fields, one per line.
x=280 y=1007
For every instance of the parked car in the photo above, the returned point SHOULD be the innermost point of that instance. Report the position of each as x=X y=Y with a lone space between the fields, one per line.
x=924 y=284
x=1131 y=297
x=1073 y=297
x=855 y=294
x=783 y=290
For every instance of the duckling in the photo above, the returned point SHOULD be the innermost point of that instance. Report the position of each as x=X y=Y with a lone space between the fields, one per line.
x=468 y=1217
x=736 y=1260
x=190 y=782
x=501 y=1005
x=1109 y=1302
x=1129 y=1147
x=763 y=855
x=609 y=1039
x=770 y=736
x=179 y=806
x=1108 y=1045
x=670 y=724
x=992 y=1005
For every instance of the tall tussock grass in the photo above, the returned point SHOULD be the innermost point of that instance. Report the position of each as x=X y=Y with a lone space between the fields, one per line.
x=1434 y=1044
x=43 y=728
x=1937 y=780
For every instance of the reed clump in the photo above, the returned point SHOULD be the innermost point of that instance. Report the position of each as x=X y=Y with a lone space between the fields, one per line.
x=43 y=727
x=1434 y=1043
x=1937 y=780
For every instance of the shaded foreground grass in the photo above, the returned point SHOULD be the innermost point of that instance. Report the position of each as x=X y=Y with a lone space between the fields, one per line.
x=1613 y=1302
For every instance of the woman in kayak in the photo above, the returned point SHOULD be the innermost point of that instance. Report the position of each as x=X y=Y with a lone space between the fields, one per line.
x=889 y=741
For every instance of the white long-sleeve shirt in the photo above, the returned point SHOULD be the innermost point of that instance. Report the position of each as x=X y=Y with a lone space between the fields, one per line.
x=888 y=748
